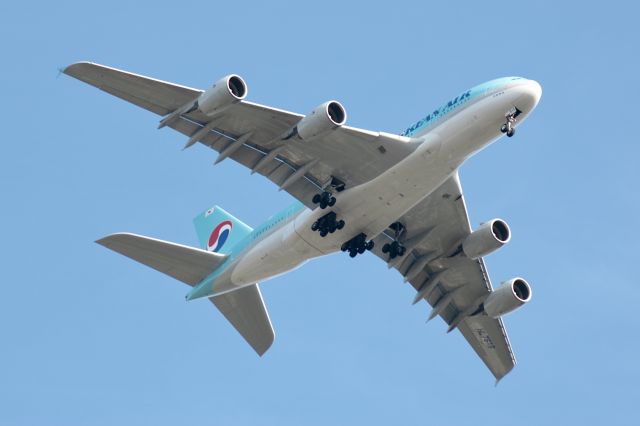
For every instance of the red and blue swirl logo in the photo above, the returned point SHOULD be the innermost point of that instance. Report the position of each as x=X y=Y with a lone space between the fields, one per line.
x=219 y=236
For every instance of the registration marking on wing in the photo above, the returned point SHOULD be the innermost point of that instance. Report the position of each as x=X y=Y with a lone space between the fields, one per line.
x=484 y=337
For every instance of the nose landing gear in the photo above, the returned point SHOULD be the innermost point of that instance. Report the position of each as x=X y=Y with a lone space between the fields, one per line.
x=327 y=224
x=357 y=245
x=395 y=248
x=509 y=126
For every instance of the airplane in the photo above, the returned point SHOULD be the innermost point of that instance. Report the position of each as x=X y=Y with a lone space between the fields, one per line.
x=397 y=196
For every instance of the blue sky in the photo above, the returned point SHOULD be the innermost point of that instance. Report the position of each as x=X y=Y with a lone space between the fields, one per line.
x=89 y=337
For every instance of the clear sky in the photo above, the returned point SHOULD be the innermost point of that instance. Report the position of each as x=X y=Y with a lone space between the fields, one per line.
x=91 y=338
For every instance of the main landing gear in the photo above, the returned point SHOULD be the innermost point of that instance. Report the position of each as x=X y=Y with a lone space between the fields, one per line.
x=357 y=245
x=509 y=126
x=395 y=248
x=327 y=224
x=325 y=199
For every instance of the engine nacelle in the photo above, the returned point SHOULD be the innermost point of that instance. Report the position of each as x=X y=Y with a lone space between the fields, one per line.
x=489 y=237
x=324 y=118
x=224 y=93
x=509 y=296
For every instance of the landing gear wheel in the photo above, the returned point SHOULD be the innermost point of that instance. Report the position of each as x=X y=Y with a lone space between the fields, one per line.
x=327 y=224
x=394 y=249
x=511 y=132
x=324 y=200
x=357 y=245
x=504 y=129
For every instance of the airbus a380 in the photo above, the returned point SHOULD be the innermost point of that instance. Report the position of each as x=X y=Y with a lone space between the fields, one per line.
x=397 y=196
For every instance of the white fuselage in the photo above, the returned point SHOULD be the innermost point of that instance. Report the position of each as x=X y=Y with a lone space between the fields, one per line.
x=371 y=207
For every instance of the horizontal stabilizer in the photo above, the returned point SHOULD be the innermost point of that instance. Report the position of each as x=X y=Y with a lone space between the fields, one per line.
x=187 y=264
x=245 y=310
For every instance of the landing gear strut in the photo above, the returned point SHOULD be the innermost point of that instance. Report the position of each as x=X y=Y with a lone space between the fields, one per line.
x=395 y=248
x=357 y=245
x=509 y=126
x=327 y=224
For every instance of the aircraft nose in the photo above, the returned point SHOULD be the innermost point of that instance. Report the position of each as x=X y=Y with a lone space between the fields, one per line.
x=535 y=91
x=530 y=94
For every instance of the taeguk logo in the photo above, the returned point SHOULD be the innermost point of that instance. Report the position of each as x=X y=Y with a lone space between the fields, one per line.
x=219 y=236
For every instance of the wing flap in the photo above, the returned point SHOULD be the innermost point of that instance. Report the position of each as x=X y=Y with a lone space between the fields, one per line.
x=246 y=311
x=249 y=155
x=187 y=264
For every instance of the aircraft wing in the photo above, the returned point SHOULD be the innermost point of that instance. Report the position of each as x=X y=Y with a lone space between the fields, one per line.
x=452 y=284
x=301 y=168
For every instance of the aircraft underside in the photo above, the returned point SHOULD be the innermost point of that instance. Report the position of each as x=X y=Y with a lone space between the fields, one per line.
x=396 y=196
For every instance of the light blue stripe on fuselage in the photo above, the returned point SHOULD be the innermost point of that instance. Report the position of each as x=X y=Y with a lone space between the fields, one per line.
x=454 y=104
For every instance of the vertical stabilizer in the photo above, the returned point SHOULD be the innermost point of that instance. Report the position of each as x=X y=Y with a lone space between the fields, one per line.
x=218 y=231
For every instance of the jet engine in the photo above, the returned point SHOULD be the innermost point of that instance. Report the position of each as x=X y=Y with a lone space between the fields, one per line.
x=509 y=296
x=324 y=118
x=224 y=93
x=489 y=237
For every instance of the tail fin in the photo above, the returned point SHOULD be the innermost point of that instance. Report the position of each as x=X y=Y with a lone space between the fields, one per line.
x=218 y=231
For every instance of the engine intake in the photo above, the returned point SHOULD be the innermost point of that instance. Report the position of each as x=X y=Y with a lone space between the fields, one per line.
x=322 y=119
x=489 y=237
x=509 y=296
x=224 y=93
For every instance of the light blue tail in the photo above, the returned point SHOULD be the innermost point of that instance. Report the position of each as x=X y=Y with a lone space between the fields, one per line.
x=218 y=231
